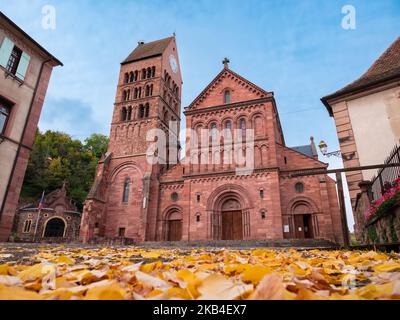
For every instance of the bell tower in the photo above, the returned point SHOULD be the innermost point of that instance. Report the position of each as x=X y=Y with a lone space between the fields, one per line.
x=148 y=97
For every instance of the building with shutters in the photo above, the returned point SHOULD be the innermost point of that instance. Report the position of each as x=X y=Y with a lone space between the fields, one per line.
x=25 y=69
x=195 y=199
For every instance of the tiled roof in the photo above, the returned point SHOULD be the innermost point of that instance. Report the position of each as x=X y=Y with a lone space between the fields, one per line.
x=146 y=50
x=385 y=68
x=306 y=150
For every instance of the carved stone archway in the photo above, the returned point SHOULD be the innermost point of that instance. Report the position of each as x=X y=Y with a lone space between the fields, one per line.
x=228 y=209
x=55 y=227
x=301 y=218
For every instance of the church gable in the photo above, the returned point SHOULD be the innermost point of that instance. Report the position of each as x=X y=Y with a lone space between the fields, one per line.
x=228 y=87
x=296 y=160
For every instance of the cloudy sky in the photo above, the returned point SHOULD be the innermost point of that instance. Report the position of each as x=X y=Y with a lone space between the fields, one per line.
x=298 y=49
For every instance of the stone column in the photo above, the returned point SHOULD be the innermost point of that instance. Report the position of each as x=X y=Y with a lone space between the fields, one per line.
x=145 y=205
x=363 y=204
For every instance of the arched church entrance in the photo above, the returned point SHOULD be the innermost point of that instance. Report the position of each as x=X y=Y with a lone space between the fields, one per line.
x=55 y=228
x=303 y=224
x=174 y=226
x=228 y=207
x=232 y=221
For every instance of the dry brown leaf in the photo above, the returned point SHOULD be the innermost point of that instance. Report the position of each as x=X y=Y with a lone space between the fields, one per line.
x=271 y=287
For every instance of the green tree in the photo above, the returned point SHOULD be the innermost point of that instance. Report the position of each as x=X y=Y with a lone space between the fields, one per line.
x=97 y=144
x=57 y=158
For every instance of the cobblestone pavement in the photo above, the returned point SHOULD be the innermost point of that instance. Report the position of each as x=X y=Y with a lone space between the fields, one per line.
x=21 y=252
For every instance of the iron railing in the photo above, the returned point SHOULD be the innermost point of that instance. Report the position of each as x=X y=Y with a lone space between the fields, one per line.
x=385 y=175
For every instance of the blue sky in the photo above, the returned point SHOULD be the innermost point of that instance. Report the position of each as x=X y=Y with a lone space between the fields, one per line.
x=297 y=49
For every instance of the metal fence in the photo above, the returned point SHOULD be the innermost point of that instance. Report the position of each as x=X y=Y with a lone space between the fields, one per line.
x=385 y=175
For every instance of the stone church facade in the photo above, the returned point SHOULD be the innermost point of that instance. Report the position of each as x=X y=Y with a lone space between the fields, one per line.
x=194 y=199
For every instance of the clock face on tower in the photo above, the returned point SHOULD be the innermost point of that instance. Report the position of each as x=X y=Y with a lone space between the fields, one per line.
x=173 y=63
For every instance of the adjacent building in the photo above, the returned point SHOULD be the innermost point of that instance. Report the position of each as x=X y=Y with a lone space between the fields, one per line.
x=57 y=219
x=367 y=118
x=196 y=199
x=25 y=69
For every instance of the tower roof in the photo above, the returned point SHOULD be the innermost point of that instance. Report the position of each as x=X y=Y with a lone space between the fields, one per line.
x=385 y=68
x=147 y=50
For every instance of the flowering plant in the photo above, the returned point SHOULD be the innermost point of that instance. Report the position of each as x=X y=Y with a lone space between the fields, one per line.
x=389 y=198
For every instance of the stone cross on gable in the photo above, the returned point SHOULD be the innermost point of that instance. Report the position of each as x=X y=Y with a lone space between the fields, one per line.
x=226 y=63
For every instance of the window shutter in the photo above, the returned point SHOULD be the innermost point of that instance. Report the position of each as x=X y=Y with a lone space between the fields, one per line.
x=5 y=51
x=23 y=66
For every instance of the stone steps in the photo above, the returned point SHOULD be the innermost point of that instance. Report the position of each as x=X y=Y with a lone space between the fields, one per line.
x=283 y=243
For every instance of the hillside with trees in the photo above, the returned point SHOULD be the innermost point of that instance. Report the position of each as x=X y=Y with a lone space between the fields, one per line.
x=57 y=158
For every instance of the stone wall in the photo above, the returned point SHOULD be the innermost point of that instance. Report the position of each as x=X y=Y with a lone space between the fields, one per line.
x=383 y=229
x=20 y=233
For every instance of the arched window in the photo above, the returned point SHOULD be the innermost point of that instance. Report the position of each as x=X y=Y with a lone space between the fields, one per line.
x=262 y=193
x=198 y=217
x=263 y=215
x=136 y=93
x=123 y=114
x=131 y=77
x=153 y=72
x=143 y=74
x=27 y=226
x=129 y=116
x=213 y=128
x=227 y=96
x=147 y=90
x=242 y=126
x=126 y=78
x=299 y=187
x=125 y=195
x=141 y=111
x=147 y=111
x=148 y=73
x=128 y=94
x=136 y=75
x=228 y=130
x=151 y=90
x=123 y=95
x=140 y=93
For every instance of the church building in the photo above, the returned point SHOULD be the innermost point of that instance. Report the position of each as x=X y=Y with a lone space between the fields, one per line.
x=194 y=199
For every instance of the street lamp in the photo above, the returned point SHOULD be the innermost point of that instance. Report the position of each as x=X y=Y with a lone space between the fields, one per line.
x=324 y=150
